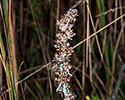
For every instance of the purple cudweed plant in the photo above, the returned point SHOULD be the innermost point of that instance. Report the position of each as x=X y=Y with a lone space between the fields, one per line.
x=61 y=66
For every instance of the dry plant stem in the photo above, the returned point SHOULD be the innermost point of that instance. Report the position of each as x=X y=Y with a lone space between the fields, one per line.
x=34 y=73
x=83 y=75
x=0 y=61
x=115 y=52
x=87 y=41
x=122 y=22
x=84 y=34
x=92 y=22
x=77 y=4
x=89 y=44
x=4 y=65
x=98 y=31
x=2 y=56
x=7 y=76
x=12 y=44
x=90 y=62
x=99 y=79
x=115 y=24
x=30 y=69
x=110 y=10
x=57 y=15
x=22 y=91
x=20 y=67
x=77 y=68
x=95 y=25
x=78 y=82
x=117 y=43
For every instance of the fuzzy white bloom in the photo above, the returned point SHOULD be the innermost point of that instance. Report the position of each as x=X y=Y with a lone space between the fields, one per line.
x=61 y=66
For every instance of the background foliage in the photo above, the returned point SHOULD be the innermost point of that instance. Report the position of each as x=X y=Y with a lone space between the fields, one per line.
x=27 y=34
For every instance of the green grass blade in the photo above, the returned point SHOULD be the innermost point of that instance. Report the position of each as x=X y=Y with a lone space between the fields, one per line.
x=4 y=2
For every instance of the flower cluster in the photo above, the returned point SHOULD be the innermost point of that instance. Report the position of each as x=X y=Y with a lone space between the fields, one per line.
x=61 y=67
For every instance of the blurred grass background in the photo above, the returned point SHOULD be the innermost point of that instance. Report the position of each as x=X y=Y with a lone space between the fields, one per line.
x=27 y=34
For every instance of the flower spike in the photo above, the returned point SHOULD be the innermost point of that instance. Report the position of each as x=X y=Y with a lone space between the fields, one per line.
x=61 y=67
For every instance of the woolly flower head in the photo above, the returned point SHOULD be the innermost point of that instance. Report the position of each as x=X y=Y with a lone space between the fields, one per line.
x=61 y=67
x=69 y=17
